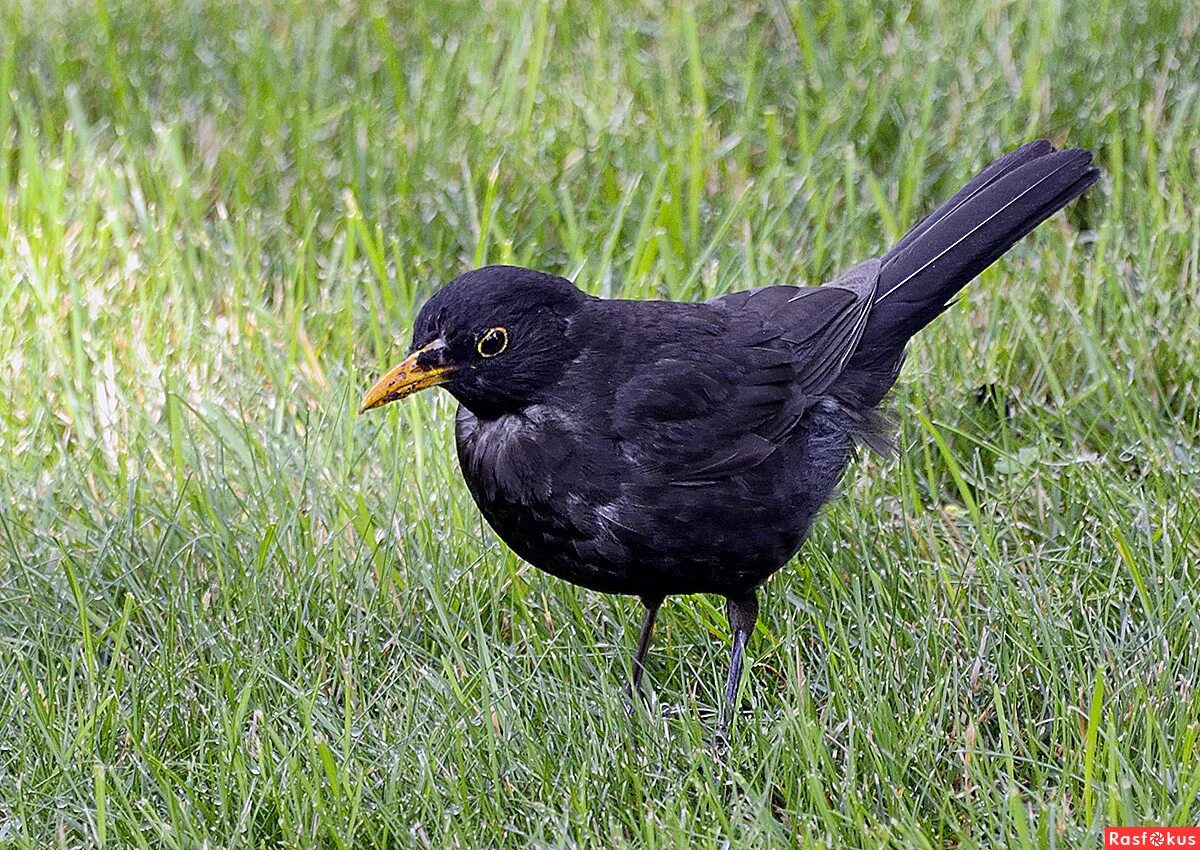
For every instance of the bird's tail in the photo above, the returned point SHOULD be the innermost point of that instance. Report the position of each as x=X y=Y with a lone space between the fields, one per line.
x=933 y=261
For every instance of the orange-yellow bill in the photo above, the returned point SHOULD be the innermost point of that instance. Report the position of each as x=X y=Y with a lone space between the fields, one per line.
x=404 y=380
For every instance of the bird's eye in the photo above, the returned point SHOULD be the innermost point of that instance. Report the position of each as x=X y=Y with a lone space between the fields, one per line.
x=492 y=342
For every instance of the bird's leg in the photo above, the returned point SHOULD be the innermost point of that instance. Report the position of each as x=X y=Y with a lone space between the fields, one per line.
x=743 y=614
x=639 y=657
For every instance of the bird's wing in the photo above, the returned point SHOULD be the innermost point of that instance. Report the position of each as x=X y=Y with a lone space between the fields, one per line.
x=703 y=415
x=821 y=324
x=718 y=402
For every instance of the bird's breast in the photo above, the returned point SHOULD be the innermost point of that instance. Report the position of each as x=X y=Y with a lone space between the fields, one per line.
x=507 y=453
x=522 y=467
x=528 y=473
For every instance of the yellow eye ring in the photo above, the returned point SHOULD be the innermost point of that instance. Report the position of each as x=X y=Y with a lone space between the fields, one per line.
x=492 y=342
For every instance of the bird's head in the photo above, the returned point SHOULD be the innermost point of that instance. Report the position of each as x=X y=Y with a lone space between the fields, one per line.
x=494 y=337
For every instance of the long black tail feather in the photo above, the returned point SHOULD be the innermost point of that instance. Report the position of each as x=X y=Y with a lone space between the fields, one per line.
x=961 y=238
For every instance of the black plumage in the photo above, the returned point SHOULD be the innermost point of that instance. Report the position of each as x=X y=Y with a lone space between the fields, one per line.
x=655 y=448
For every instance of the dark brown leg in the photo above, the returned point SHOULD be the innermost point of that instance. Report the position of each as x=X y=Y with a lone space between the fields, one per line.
x=743 y=614
x=639 y=657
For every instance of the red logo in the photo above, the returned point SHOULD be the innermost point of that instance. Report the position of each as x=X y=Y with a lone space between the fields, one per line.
x=1152 y=837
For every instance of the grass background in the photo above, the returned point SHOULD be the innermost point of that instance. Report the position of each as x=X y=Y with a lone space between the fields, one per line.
x=234 y=614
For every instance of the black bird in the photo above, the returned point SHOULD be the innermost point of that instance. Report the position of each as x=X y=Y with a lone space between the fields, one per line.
x=653 y=447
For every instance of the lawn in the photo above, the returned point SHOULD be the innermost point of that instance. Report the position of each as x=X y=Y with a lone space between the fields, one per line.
x=233 y=613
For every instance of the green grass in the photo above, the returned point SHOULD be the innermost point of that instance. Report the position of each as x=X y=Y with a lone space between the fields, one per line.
x=234 y=614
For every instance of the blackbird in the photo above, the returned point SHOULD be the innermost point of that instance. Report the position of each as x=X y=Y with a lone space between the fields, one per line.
x=653 y=447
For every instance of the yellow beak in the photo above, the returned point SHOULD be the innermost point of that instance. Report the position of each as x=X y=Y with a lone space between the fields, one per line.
x=407 y=378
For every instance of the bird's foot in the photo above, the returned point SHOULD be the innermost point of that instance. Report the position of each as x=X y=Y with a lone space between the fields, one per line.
x=633 y=695
x=720 y=744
